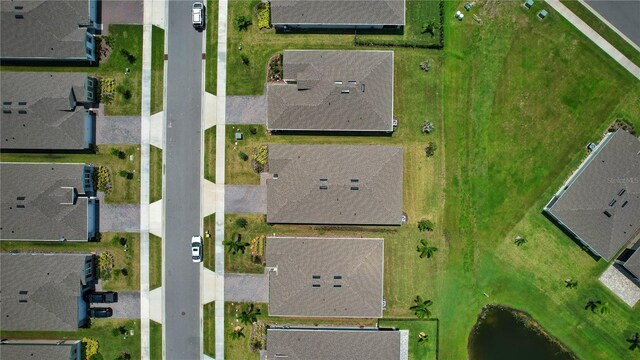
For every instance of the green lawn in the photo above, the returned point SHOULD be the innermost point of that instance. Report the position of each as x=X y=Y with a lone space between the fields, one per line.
x=155 y=174
x=155 y=341
x=601 y=28
x=157 y=69
x=209 y=329
x=123 y=191
x=111 y=343
x=155 y=262
x=417 y=351
x=210 y=81
x=209 y=224
x=210 y=154
x=128 y=259
x=125 y=37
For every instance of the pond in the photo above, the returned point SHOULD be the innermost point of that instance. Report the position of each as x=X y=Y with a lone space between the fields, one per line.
x=503 y=333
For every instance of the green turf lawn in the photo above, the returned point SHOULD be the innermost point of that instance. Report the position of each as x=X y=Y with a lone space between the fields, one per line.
x=125 y=37
x=211 y=69
x=123 y=190
x=601 y=28
x=155 y=343
x=111 y=343
x=157 y=69
x=210 y=154
x=209 y=329
x=155 y=262
x=208 y=243
x=155 y=174
x=129 y=259
x=417 y=351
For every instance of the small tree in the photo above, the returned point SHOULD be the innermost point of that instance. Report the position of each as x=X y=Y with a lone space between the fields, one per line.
x=235 y=246
x=425 y=225
x=430 y=150
x=123 y=241
x=421 y=308
x=425 y=249
x=423 y=338
x=249 y=315
x=237 y=333
x=243 y=156
x=245 y=59
x=425 y=65
x=634 y=341
x=242 y=22
x=427 y=127
x=592 y=305
x=570 y=283
x=242 y=223
x=519 y=240
x=429 y=28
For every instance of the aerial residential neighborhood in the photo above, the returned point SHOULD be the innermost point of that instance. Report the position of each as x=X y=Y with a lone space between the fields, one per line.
x=310 y=179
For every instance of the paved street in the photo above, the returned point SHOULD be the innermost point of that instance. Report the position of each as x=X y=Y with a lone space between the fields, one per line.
x=624 y=15
x=182 y=187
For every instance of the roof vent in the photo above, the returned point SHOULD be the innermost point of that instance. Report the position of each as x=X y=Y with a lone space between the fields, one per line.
x=612 y=202
x=323 y=187
x=355 y=180
x=355 y=188
x=316 y=276
x=344 y=91
x=352 y=82
x=621 y=192
x=338 y=82
x=316 y=285
x=624 y=204
x=607 y=213
x=362 y=87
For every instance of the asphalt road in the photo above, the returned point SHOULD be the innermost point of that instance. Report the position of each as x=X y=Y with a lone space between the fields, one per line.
x=623 y=14
x=182 y=191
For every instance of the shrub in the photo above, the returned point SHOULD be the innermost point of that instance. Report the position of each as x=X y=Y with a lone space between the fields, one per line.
x=123 y=173
x=257 y=248
x=90 y=347
x=114 y=152
x=426 y=225
x=430 y=150
x=253 y=131
x=243 y=156
x=245 y=59
x=242 y=223
x=123 y=241
x=264 y=15
x=128 y=56
x=105 y=261
x=102 y=179
x=260 y=156
x=242 y=22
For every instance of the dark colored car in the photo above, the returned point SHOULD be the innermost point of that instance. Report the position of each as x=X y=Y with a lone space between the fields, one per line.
x=103 y=297
x=100 y=312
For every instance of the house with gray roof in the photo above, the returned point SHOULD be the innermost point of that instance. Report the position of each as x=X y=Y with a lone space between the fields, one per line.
x=632 y=264
x=45 y=292
x=48 y=30
x=325 y=277
x=58 y=349
x=333 y=90
x=335 y=184
x=47 y=202
x=336 y=343
x=337 y=14
x=600 y=203
x=44 y=111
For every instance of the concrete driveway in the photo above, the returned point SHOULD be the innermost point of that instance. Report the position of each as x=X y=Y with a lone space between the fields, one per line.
x=246 y=110
x=117 y=217
x=120 y=12
x=117 y=129
x=127 y=307
x=245 y=199
x=246 y=288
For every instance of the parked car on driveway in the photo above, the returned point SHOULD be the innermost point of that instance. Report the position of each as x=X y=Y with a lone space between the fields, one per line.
x=196 y=249
x=103 y=297
x=100 y=312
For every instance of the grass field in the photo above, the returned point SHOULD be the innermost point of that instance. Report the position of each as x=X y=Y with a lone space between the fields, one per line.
x=208 y=243
x=417 y=351
x=123 y=191
x=111 y=343
x=521 y=99
x=155 y=262
x=155 y=340
x=157 y=69
x=210 y=154
x=209 y=328
x=155 y=174
x=601 y=28
x=210 y=81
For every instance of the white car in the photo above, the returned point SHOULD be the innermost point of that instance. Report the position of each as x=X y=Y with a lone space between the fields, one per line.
x=198 y=15
x=196 y=249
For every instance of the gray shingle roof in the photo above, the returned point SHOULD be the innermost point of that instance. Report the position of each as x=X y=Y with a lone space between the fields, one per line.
x=335 y=344
x=633 y=264
x=363 y=184
x=362 y=102
x=53 y=285
x=40 y=349
x=48 y=120
x=37 y=202
x=47 y=29
x=601 y=203
x=338 y=277
x=334 y=12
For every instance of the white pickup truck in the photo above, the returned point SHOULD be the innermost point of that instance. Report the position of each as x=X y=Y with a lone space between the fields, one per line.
x=198 y=15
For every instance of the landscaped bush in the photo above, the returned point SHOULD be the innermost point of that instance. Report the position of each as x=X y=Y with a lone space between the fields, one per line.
x=242 y=22
x=91 y=347
x=245 y=59
x=241 y=223
x=107 y=88
x=102 y=179
x=264 y=15
x=260 y=155
x=430 y=150
x=257 y=248
x=275 y=68
x=243 y=156
x=105 y=264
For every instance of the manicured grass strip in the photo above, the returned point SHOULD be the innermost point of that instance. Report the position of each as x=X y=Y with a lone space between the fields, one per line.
x=210 y=154
x=424 y=350
x=155 y=174
x=110 y=341
x=155 y=343
x=209 y=330
x=209 y=243
x=211 y=70
x=155 y=262
x=601 y=28
x=157 y=69
x=123 y=190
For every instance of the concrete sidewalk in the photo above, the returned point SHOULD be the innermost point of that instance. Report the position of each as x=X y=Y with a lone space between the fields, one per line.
x=595 y=37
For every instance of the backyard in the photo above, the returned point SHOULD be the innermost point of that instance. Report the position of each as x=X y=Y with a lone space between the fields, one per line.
x=520 y=101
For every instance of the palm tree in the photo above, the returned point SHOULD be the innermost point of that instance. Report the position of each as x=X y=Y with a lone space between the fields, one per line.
x=249 y=315
x=425 y=225
x=593 y=305
x=425 y=249
x=235 y=246
x=635 y=342
x=570 y=283
x=423 y=338
x=421 y=308
x=237 y=332
x=519 y=240
x=604 y=307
